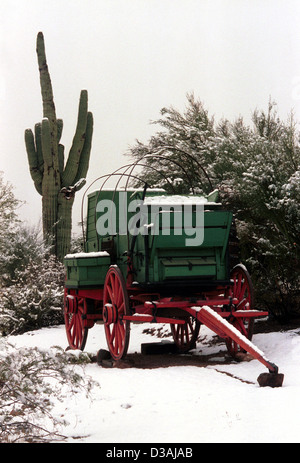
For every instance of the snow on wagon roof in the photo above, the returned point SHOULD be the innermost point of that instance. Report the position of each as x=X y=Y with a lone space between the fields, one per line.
x=177 y=199
x=182 y=199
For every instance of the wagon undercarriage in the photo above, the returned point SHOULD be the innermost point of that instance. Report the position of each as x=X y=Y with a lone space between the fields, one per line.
x=225 y=310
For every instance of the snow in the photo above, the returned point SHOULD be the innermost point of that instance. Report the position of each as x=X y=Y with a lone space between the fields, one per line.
x=221 y=402
x=177 y=200
x=83 y=255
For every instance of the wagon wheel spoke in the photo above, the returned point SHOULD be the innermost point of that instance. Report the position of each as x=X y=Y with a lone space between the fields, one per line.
x=242 y=304
x=119 y=338
x=110 y=292
x=242 y=293
x=116 y=304
x=120 y=299
x=185 y=335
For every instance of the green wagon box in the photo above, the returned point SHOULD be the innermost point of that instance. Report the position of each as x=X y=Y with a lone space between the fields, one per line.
x=86 y=269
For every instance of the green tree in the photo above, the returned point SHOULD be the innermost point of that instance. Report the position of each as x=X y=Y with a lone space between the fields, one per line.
x=256 y=170
x=177 y=149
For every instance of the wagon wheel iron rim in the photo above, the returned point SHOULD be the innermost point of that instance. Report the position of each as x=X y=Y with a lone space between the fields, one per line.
x=75 y=310
x=115 y=306
x=185 y=335
x=243 y=299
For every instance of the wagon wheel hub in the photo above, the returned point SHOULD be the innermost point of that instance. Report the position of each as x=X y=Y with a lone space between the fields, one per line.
x=71 y=305
x=235 y=301
x=110 y=314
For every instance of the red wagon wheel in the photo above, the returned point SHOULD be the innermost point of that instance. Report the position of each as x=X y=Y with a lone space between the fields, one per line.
x=243 y=299
x=75 y=310
x=185 y=336
x=115 y=306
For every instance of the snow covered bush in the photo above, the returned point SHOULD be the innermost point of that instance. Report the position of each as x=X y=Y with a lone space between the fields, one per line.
x=31 y=279
x=31 y=380
x=35 y=298
x=8 y=206
x=20 y=247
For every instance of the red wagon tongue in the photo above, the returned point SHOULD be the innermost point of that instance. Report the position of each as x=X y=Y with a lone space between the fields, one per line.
x=222 y=328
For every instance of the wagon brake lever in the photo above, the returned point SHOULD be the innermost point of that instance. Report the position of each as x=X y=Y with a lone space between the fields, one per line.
x=154 y=312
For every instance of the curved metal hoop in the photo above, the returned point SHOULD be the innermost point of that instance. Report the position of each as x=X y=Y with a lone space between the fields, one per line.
x=130 y=175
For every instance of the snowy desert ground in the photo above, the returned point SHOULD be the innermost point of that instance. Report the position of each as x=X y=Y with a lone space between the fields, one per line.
x=221 y=402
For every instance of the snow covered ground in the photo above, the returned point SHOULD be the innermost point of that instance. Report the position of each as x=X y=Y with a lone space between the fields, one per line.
x=182 y=404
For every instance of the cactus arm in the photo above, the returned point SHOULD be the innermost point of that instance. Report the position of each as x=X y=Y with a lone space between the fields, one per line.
x=72 y=164
x=60 y=125
x=61 y=158
x=38 y=145
x=32 y=156
x=61 y=148
x=86 y=150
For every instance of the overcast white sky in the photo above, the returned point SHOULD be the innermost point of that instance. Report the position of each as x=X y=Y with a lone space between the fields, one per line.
x=135 y=57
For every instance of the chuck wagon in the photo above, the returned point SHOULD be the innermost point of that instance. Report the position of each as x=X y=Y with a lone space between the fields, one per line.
x=140 y=264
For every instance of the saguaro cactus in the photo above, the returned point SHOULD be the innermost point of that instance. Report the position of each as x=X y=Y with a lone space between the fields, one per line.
x=54 y=179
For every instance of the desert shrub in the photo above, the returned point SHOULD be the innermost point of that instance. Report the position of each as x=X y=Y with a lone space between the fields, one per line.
x=31 y=381
x=35 y=298
x=31 y=283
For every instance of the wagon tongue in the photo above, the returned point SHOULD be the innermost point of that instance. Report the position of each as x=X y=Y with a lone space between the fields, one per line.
x=224 y=329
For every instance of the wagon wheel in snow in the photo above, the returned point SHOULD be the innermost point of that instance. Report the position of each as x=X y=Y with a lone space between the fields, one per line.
x=243 y=299
x=75 y=310
x=115 y=306
x=185 y=336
